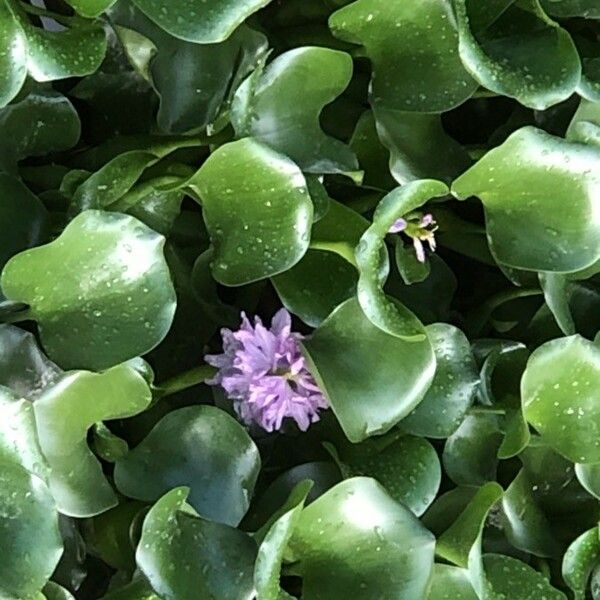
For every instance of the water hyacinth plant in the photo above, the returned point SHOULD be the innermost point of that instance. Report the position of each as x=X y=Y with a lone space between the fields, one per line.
x=300 y=299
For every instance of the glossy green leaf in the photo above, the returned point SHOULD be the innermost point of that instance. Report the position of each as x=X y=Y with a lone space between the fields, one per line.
x=450 y=583
x=185 y=556
x=507 y=577
x=40 y=123
x=265 y=107
x=523 y=54
x=13 y=64
x=29 y=533
x=221 y=480
x=387 y=314
x=107 y=185
x=18 y=435
x=559 y=398
x=471 y=452
x=64 y=413
x=271 y=551
x=192 y=95
x=452 y=391
x=419 y=147
x=316 y=285
x=91 y=8
x=352 y=359
x=579 y=560
x=339 y=231
x=457 y=542
x=257 y=211
x=589 y=477
x=101 y=292
x=197 y=21
x=23 y=218
x=47 y=55
x=137 y=589
x=524 y=185
x=407 y=467
x=526 y=526
x=396 y=556
x=414 y=53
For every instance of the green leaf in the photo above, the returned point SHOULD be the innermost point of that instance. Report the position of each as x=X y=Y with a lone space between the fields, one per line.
x=419 y=147
x=101 y=292
x=451 y=583
x=457 y=542
x=507 y=577
x=64 y=413
x=589 y=477
x=559 y=398
x=316 y=285
x=352 y=359
x=53 y=591
x=195 y=21
x=407 y=467
x=414 y=53
x=110 y=183
x=23 y=366
x=525 y=525
x=185 y=556
x=525 y=185
x=13 y=64
x=387 y=314
x=452 y=391
x=137 y=589
x=42 y=122
x=18 y=436
x=91 y=8
x=471 y=452
x=29 y=535
x=396 y=551
x=206 y=77
x=523 y=54
x=587 y=9
x=222 y=477
x=271 y=551
x=23 y=218
x=579 y=560
x=265 y=107
x=46 y=55
x=257 y=211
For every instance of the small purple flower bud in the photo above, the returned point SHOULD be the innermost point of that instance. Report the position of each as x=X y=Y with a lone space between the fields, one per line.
x=263 y=371
x=399 y=225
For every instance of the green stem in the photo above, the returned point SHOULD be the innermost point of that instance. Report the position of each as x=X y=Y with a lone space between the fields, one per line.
x=486 y=410
x=185 y=380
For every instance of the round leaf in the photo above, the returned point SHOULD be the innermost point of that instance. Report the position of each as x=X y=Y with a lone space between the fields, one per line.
x=452 y=391
x=525 y=185
x=355 y=540
x=257 y=211
x=184 y=556
x=352 y=359
x=522 y=54
x=266 y=107
x=559 y=397
x=203 y=448
x=29 y=535
x=198 y=21
x=414 y=53
x=64 y=413
x=101 y=292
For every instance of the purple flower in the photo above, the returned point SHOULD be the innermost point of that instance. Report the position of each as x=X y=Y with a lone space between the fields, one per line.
x=420 y=228
x=264 y=373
